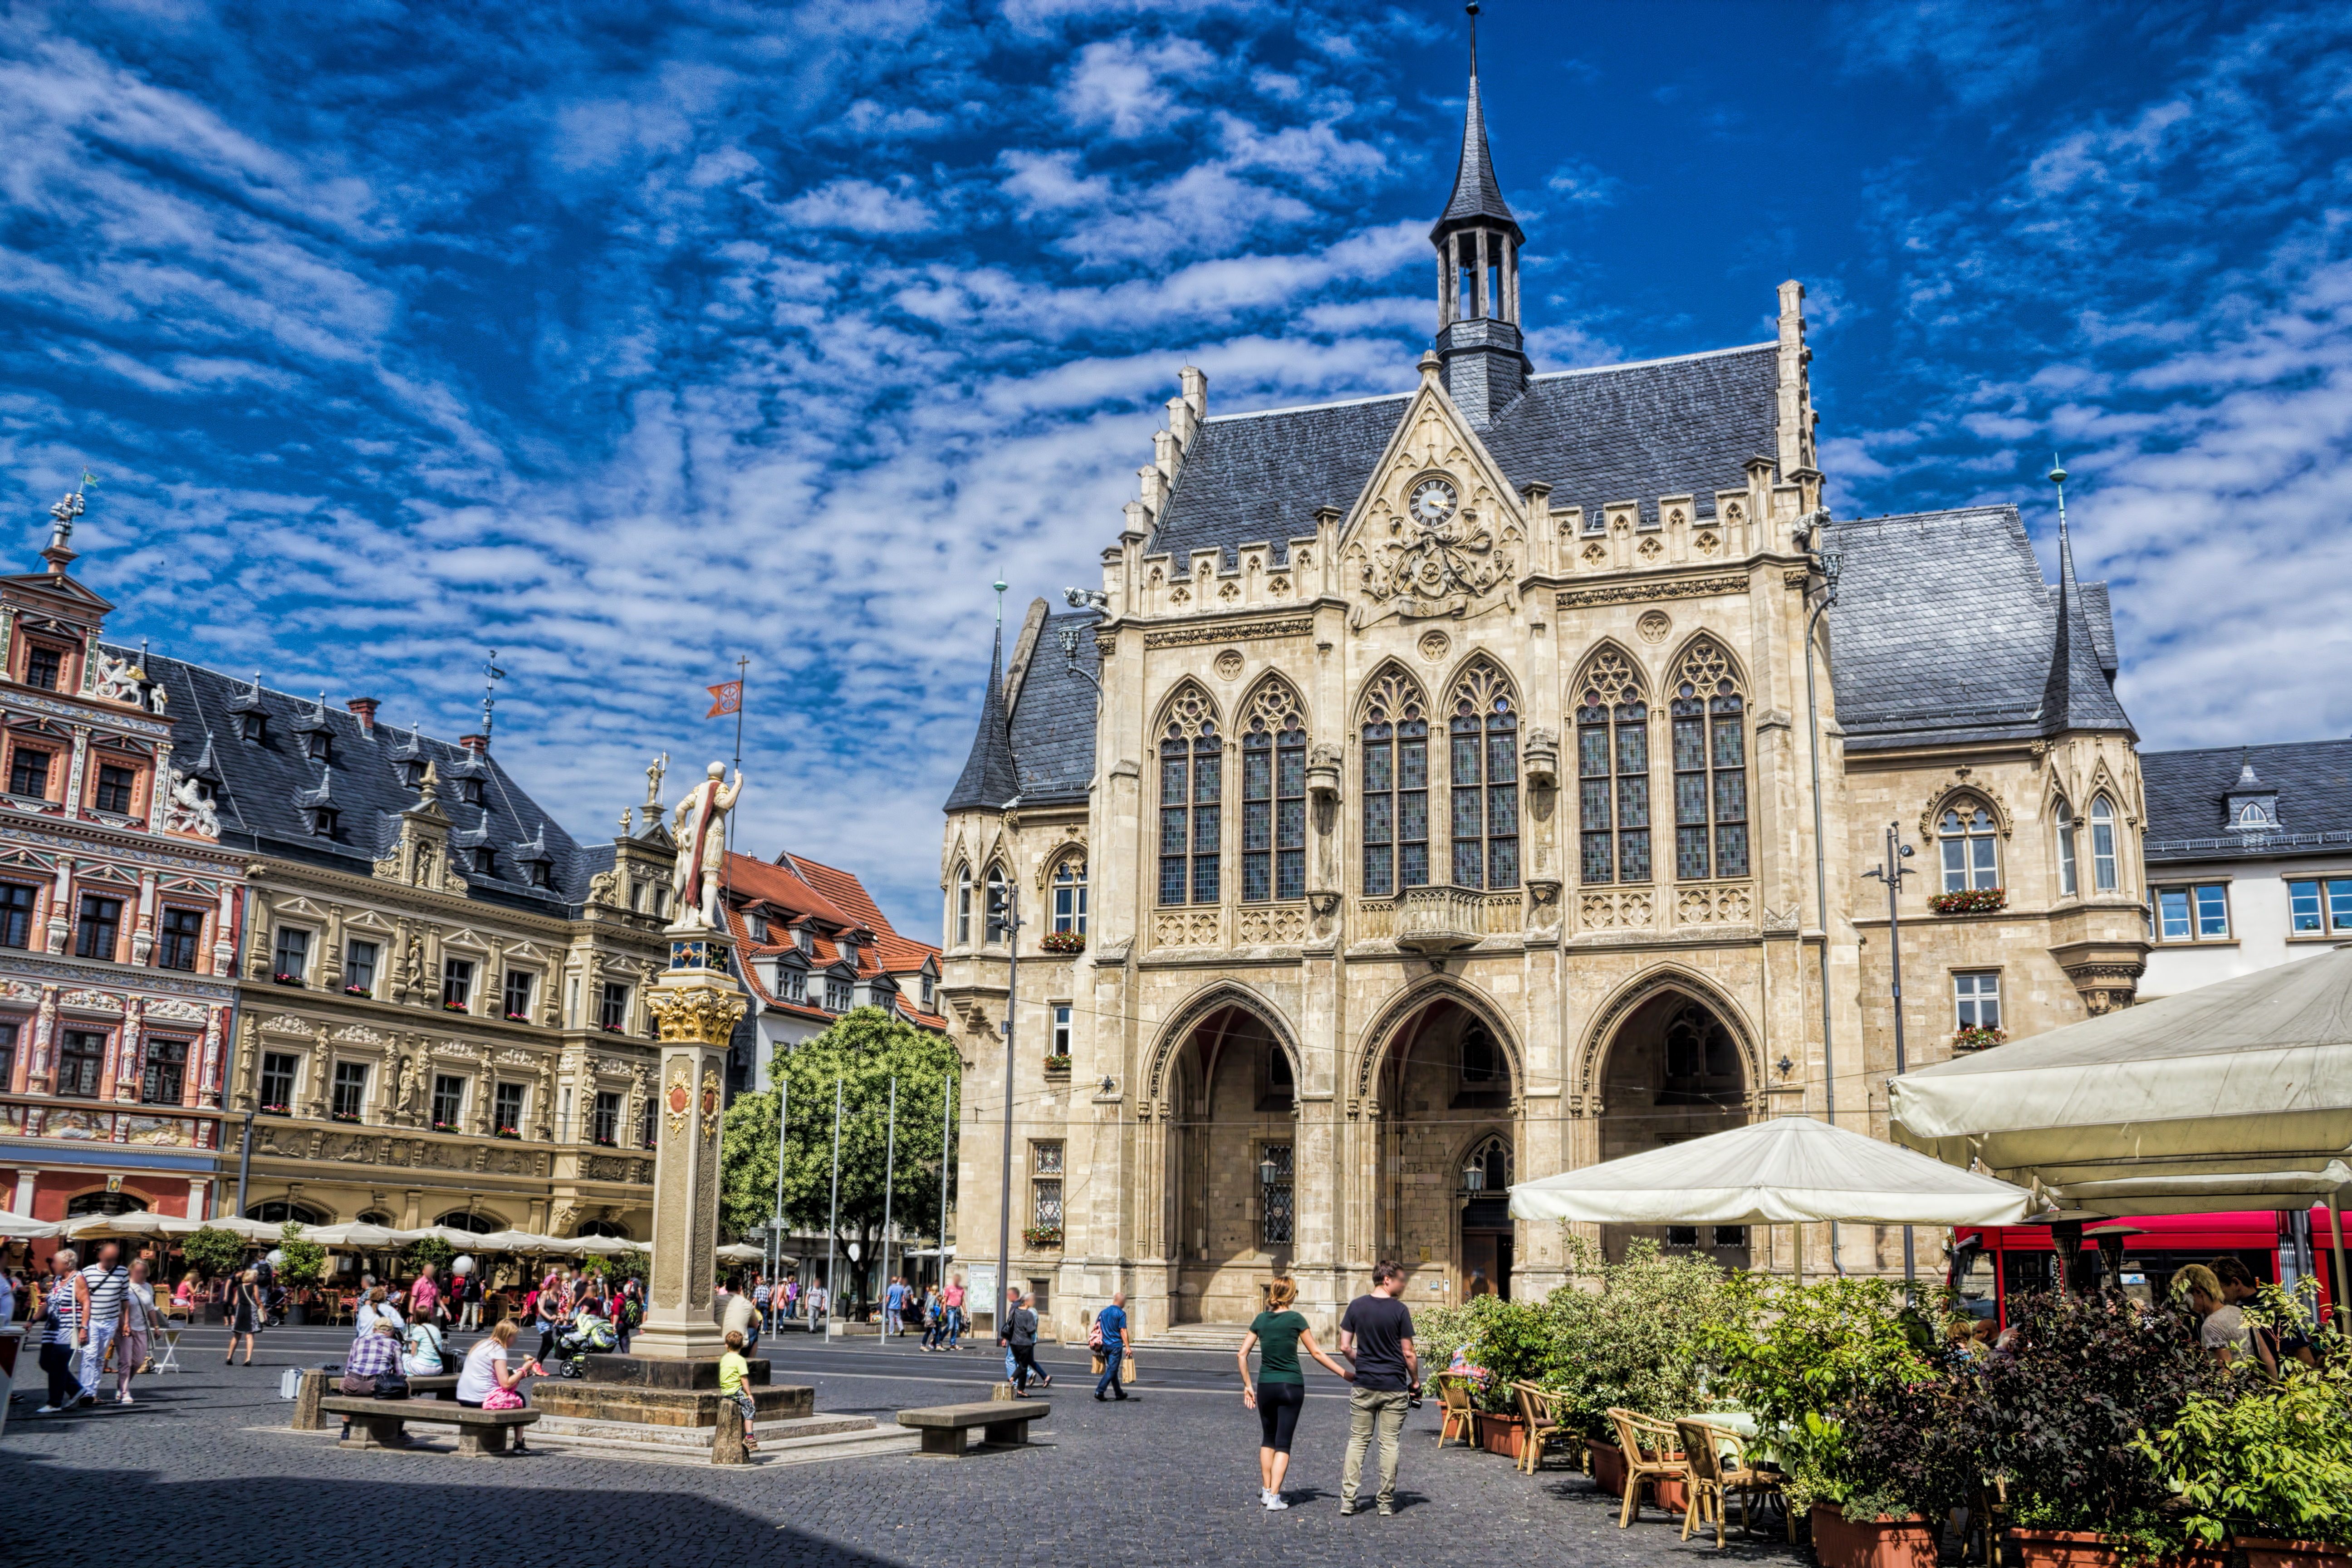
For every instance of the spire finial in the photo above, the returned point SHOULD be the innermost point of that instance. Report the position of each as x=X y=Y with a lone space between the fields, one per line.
x=1471 y=10
x=2058 y=478
x=999 y=586
x=492 y=676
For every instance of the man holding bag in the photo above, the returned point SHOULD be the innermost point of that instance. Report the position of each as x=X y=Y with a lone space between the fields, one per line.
x=1111 y=1337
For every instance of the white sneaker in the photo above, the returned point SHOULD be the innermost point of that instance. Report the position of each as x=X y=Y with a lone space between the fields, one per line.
x=1275 y=1501
x=1264 y=1496
x=50 y=1410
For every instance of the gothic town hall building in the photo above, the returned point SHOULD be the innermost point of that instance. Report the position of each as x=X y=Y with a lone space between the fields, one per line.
x=1477 y=782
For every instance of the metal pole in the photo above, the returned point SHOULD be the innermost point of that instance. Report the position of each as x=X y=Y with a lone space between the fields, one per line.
x=1894 y=957
x=2340 y=1296
x=833 y=1214
x=1012 y=927
x=776 y=1215
x=947 y=1124
x=889 y=1159
x=244 y=1162
x=1822 y=893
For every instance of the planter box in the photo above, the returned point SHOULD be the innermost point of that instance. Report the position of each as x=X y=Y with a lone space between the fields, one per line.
x=1843 y=1543
x=297 y=1314
x=2088 y=1549
x=215 y=1313
x=1607 y=1462
x=2263 y=1552
x=1501 y=1434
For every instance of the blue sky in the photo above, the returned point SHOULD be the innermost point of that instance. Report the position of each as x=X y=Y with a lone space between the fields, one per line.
x=628 y=337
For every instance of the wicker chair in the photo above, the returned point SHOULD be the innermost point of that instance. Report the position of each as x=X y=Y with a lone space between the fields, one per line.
x=1453 y=1400
x=1718 y=1469
x=1641 y=1468
x=1543 y=1429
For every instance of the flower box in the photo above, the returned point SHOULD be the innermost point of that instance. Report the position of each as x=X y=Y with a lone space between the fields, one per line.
x=2089 y=1549
x=359 y=991
x=276 y=1111
x=510 y=1132
x=2264 y=1552
x=1042 y=1237
x=607 y=1142
x=1982 y=1036
x=518 y=1018
x=614 y=1029
x=454 y=1007
x=1502 y=1435
x=1062 y=941
x=447 y=1127
x=1057 y=1064
x=344 y=1116
x=286 y=980
x=1970 y=902
x=1843 y=1543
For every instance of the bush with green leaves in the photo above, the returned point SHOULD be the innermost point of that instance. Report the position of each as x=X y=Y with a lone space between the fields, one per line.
x=301 y=1262
x=2264 y=1458
x=1635 y=1333
x=433 y=1249
x=213 y=1252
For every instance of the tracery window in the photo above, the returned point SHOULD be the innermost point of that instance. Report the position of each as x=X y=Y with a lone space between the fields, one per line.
x=1971 y=852
x=1070 y=896
x=1710 y=750
x=1191 y=796
x=997 y=907
x=2102 y=844
x=1273 y=796
x=1396 y=788
x=2062 y=817
x=1483 y=779
x=963 y=906
x=1612 y=768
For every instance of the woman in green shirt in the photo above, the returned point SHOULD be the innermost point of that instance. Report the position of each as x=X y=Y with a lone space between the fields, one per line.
x=1280 y=1392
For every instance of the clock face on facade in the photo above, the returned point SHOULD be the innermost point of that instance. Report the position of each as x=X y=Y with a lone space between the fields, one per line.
x=1433 y=502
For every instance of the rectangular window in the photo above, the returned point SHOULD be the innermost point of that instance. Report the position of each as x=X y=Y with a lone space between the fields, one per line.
x=29 y=773
x=1061 y=1031
x=292 y=957
x=183 y=938
x=1483 y=793
x=836 y=995
x=2200 y=914
x=613 y=1008
x=351 y=1089
x=605 y=1122
x=457 y=982
x=1396 y=807
x=116 y=787
x=81 y=1062
x=43 y=666
x=100 y=923
x=1045 y=1185
x=1276 y=1209
x=16 y=902
x=2313 y=908
x=277 y=1071
x=448 y=1101
x=9 y=1033
x=508 y=1115
x=517 y=1000
x=1976 y=1000
x=792 y=984
x=1191 y=776
x=322 y=747
x=359 y=965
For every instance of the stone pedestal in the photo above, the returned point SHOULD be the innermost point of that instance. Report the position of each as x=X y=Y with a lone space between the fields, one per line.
x=696 y=1004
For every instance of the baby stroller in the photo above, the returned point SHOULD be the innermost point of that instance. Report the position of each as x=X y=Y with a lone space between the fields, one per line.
x=575 y=1342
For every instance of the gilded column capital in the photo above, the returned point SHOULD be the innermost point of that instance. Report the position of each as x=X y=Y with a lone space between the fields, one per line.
x=695 y=1015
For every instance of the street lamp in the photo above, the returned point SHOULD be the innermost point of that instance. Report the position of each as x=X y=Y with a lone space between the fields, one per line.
x=1268 y=1172
x=1474 y=1177
x=1892 y=871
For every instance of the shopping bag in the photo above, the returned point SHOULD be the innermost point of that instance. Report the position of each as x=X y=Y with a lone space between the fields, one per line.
x=1127 y=1369
x=1100 y=1364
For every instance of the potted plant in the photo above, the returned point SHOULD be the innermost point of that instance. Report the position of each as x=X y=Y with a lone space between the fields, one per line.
x=342 y=1116
x=454 y=1007
x=1978 y=1037
x=1042 y=1237
x=358 y=991
x=2265 y=1467
x=277 y=1110
x=301 y=1264
x=1062 y=942
x=518 y=1018
x=1059 y=1064
x=447 y=1127
x=1889 y=1465
x=1970 y=902
x=509 y=1133
x=282 y=978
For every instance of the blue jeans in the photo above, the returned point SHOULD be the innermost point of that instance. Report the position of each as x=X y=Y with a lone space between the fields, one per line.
x=1107 y=1385
x=955 y=1328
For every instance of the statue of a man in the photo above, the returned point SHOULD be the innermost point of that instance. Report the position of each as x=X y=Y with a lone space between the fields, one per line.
x=701 y=830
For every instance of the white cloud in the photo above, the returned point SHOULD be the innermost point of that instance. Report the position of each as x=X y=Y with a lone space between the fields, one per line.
x=860 y=207
x=1126 y=86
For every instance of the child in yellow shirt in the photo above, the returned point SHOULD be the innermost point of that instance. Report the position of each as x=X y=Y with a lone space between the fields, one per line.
x=734 y=1380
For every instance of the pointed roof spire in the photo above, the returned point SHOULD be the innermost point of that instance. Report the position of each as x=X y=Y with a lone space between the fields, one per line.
x=2076 y=695
x=989 y=780
x=1475 y=194
x=2247 y=777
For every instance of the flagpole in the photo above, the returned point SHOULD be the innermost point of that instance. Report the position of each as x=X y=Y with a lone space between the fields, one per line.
x=727 y=872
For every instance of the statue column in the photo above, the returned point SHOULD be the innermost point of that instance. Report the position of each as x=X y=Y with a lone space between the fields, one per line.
x=695 y=1004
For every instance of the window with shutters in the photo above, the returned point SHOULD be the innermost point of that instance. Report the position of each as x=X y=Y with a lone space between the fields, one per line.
x=1395 y=786
x=1192 y=800
x=1482 y=779
x=1612 y=772
x=1710 y=754
x=1274 y=796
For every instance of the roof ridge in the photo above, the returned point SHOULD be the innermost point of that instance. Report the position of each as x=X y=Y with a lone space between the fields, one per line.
x=1646 y=364
x=1309 y=407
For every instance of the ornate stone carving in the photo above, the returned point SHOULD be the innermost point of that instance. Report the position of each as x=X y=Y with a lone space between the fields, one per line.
x=184 y=810
x=1654 y=626
x=1228 y=664
x=678 y=1099
x=695 y=1015
x=1278 y=924
x=1648 y=591
x=1246 y=631
x=1459 y=564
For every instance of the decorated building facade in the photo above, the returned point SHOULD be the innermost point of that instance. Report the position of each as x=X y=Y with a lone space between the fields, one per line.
x=1478 y=781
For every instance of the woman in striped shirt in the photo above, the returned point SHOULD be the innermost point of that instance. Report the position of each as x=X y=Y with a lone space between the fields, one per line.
x=67 y=1310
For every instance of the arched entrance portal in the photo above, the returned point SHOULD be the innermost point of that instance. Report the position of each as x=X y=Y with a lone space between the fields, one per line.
x=1231 y=1172
x=1674 y=1072
x=1449 y=1147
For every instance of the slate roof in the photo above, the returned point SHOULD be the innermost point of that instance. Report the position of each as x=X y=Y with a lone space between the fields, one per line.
x=1053 y=717
x=1475 y=194
x=1945 y=631
x=2186 y=814
x=1619 y=432
x=2078 y=693
x=265 y=787
x=988 y=780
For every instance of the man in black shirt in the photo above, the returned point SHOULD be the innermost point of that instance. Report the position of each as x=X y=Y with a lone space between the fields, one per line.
x=1376 y=1335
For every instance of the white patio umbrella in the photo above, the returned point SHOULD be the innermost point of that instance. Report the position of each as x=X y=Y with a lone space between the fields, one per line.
x=1792 y=1170
x=515 y=1241
x=24 y=1227
x=741 y=1252
x=597 y=1246
x=359 y=1236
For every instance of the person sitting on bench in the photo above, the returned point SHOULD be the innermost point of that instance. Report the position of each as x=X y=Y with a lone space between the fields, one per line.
x=485 y=1383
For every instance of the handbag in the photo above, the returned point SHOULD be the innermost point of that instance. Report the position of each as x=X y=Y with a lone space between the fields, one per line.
x=503 y=1399
x=1094 y=1334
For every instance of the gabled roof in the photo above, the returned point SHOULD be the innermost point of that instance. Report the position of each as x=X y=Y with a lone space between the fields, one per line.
x=2186 y=807
x=1945 y=631
x=828 y=902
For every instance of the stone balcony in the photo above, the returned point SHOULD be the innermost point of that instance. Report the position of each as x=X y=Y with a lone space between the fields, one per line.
x=1442 y=918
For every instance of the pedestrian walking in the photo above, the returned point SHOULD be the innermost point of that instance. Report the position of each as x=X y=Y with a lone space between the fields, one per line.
x=1019 y=1336
x=894 y=1308
x=1279 y=1395
x=734 y=1382
x=628 y=1312
x=763 y=1296
x=64 y=1309
x=1109 y=1337
x=243 y=1315
x=934 y=1318
x=424 y=1296
x=1376 y=1334
x=108 y=1281
x=140 y=1320
x=951 y=1299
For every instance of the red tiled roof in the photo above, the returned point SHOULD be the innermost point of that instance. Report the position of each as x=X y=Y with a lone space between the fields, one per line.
x=830 y=902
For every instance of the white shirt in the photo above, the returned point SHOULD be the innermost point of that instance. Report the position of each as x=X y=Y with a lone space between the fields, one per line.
x=2226 y=1327
x=477 y=1378
x=364 y=1321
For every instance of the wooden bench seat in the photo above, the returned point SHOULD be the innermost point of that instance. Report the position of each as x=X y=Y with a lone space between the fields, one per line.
x=384 y=1423
x=945 y=1426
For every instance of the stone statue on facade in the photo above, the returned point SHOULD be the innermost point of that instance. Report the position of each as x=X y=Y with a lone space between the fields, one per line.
x=701 y=830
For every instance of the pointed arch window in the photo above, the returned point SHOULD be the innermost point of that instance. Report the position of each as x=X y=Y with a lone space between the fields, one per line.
x=2102 y=844
x=1273 y=797
x=2062 y=818
x=996 y=908
x=1070 y=895
x=1971 y=849
x=1710 y=748
x=1612 y=767
x=1483 y=779
x=1191 y=796
x=1396 y=788
x=963 y=906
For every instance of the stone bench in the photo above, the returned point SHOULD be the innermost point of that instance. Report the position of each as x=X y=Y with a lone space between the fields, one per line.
x=442 y=1386
x=384 y=1423
x=945 y=1426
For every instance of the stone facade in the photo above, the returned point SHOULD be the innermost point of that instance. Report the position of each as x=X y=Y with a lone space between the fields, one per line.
x=1435 y=776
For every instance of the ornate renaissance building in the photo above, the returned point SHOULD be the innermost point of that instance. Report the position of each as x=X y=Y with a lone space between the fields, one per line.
x=1477 y=782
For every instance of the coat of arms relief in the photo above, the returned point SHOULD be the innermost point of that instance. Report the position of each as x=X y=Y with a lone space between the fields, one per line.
x=1438 y=539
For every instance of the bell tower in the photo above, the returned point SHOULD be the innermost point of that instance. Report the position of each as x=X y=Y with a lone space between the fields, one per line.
x=1477 y=241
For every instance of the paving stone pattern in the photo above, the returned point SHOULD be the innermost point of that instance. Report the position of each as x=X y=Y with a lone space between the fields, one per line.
x=1169 y=1477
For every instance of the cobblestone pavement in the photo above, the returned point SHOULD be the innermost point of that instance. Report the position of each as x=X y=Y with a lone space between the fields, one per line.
x=1169 y=1477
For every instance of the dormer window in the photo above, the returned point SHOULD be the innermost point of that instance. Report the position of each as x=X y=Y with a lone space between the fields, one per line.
x=322 y=747
x=43 y=666
x=256 y=727
x=412 y=773
x=540 y=875
x=757 y=924
x=471 y=790
x=485 y=860
x=207 y=791
x=322 y=822
x=804 y=939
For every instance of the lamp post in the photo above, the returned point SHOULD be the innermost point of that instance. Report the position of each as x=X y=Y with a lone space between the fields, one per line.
x=1004 y=921
x=1831 y=561
x=833 y=1214
x=1892 y=871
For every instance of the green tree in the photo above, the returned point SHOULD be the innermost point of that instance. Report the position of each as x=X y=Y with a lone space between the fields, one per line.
x=863 y=1050
x=305 y=1261
x=433 y=1249
x=213 y=1252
